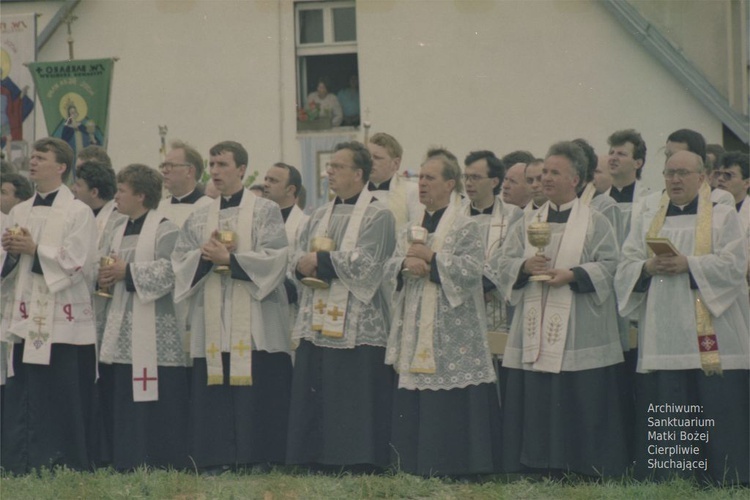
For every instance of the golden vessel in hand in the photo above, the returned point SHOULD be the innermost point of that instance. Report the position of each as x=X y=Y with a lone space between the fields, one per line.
x=319 y=244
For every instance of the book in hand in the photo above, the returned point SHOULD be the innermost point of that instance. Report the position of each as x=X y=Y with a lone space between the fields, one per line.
x=662 y=246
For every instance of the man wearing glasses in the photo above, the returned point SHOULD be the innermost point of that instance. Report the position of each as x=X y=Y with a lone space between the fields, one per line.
x=483 y=177
x=340 y=412
x=733 y=176
x=697 y=353
x=182 y=169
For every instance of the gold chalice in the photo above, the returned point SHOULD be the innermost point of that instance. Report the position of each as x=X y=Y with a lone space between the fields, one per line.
x=415 y=234
x=226 y=237
x=539 y=234
x=104 y=262
x=319 y=244
x=15 y=230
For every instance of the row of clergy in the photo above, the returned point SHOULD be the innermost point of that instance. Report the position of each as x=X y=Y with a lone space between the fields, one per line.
x=415 y=300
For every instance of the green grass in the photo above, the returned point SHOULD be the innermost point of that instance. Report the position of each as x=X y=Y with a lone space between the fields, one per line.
x=291 y=483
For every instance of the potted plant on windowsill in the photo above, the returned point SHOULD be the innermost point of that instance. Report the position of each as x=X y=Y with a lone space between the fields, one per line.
x=311 y=117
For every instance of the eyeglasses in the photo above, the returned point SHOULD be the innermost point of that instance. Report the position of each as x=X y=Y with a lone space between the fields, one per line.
x=337 y=166
x=680 y=173
x=726 y=176
x=474 y=177
x=167 y=166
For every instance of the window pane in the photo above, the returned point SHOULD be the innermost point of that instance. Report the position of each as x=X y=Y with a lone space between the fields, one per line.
x=311 y=26
x=344 y=25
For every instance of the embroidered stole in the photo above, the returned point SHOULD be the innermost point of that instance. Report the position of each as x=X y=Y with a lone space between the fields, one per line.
x=547 y=309
x=708 y=343
x=423 y=360
x=34 y=321
x=292 y=225
x=102 y=218
x=588 y=194
x=496 y=308
x=397 y=201
x=240 y=336
x=143 y=341
x=329 y=306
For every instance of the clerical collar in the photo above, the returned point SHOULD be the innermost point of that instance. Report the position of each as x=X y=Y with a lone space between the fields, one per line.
x=286 y=211
x=624 y=195
x=689 y=209
x=348 y=201
x=190 y=198
x=475 y=211
x=559 y=214
x=563 y=207
x=383 y=186
x=231 y=201
x=738 y=206
x=45 y=199
x=431 y=220
x=135 y=225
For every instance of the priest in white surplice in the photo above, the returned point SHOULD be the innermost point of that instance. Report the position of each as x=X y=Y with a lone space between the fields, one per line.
x=182 y=169
x=483 y=176
x=95 y=186
x=239 y=320
x=562 y=406
x=693 y=324
x=733 y=176
x=49 y=265
x=446 y=415
x=399 y=194
x=282 y=185
x=342 y=389
x=144 y=387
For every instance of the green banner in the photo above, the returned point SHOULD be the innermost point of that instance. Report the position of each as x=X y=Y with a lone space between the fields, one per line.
x=75 y=99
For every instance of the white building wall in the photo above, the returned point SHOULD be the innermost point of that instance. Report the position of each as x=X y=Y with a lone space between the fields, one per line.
x=467 y=75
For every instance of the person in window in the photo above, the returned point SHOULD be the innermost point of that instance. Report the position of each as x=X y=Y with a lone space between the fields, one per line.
x=349 y=99
x=327 y=102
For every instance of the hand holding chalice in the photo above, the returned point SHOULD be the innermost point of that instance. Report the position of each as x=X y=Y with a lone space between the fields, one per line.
x=415 y=234
x=539 y=234
x=319 y=244
x=228 y=238
x=104 y=291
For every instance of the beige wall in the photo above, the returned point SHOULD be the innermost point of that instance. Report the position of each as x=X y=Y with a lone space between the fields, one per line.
x=492 y=75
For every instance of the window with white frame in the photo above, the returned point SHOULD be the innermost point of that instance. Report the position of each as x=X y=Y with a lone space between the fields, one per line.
x=326 y=49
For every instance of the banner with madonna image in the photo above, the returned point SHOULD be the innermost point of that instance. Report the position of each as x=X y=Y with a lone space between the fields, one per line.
x=75 y=99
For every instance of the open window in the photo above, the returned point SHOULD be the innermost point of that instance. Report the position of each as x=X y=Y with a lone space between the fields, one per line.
x=326 y=47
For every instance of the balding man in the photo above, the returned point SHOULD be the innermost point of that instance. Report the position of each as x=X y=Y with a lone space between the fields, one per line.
x=696 y=361
x=182 y=169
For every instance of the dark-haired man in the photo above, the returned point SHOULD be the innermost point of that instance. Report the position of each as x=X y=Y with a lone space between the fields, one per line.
x=95 y=186
x=14 y=188
x=239 y=320
x=733 y=175
x=341 y=394
x=282 y=185
x=48 y=262
x=627 y=156
x=483 y=176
